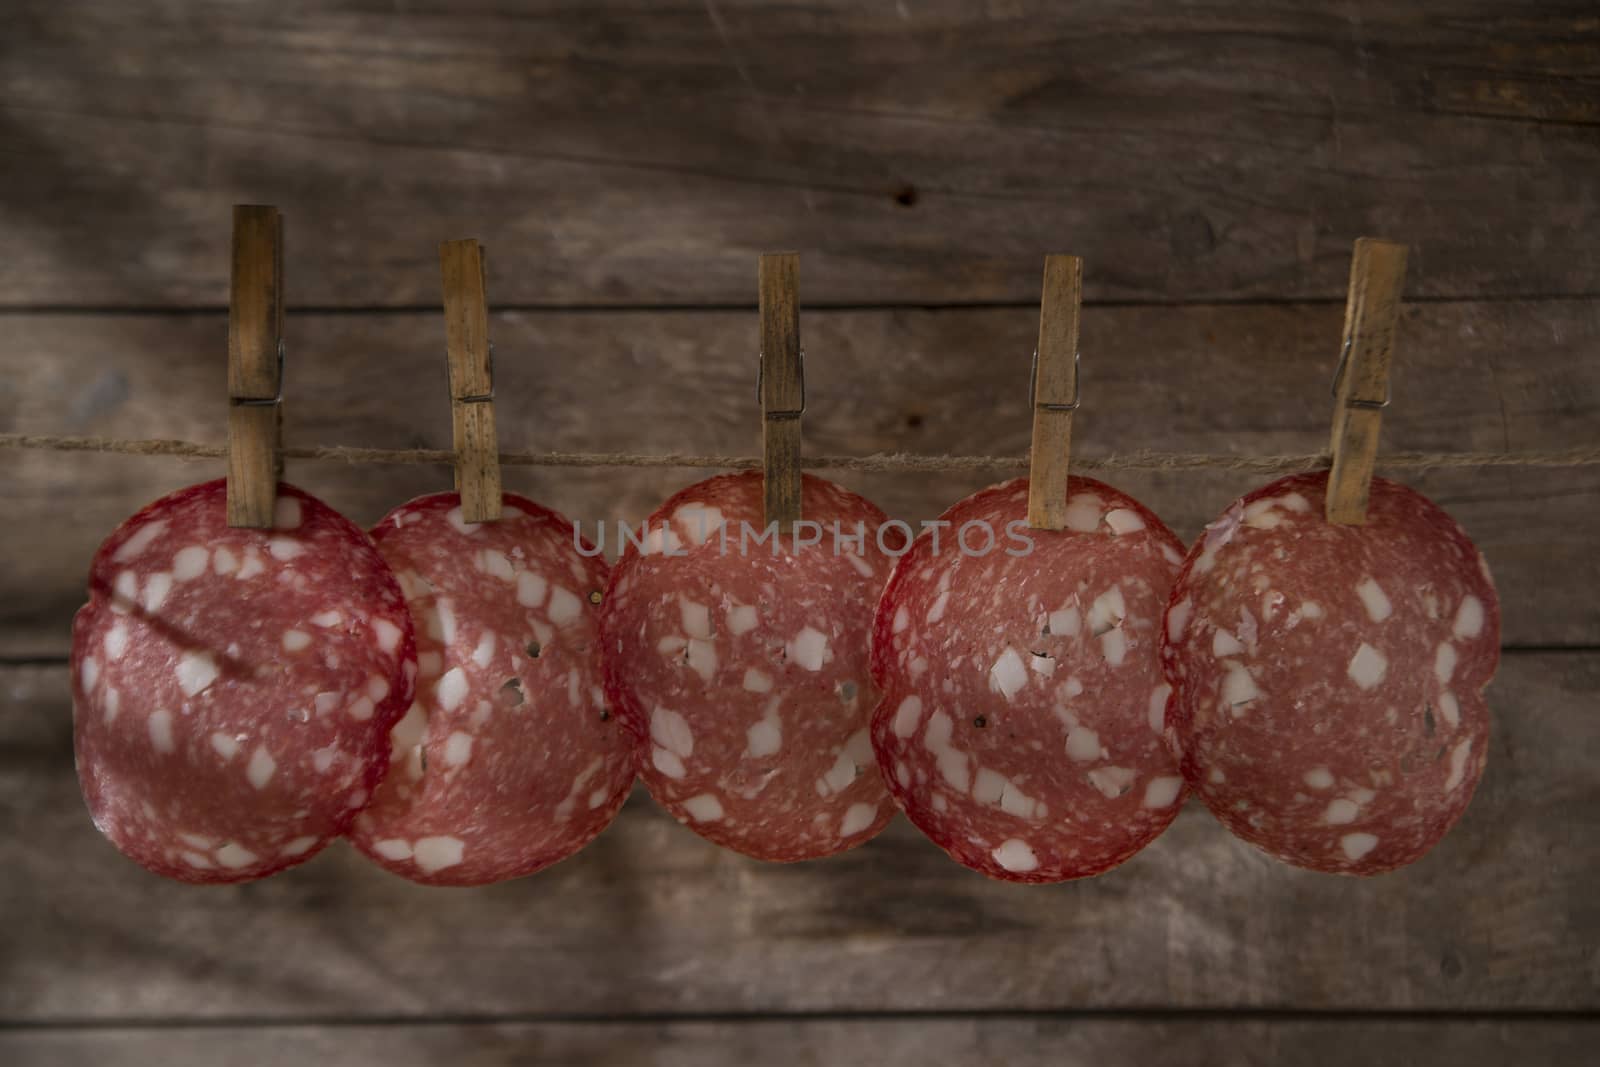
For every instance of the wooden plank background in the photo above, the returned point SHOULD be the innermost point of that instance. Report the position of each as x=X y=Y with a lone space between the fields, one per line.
x=624 y=164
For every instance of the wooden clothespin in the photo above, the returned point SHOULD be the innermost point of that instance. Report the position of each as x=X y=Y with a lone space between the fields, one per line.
x=255 y=365
x=1053 y=392
x=781 y=383
x=1361 y=384
x=466 y=325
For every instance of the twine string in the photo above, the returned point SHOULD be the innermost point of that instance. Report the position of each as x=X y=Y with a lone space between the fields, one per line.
x=1581 y=456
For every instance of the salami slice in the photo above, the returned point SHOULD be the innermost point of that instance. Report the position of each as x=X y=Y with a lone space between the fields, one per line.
x=1019 y=675
x=742 y=666
x=509 y=760
x=1327 y=680
x=233 y=689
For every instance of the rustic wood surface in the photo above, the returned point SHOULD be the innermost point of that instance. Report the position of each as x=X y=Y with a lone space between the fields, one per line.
x=916 y=151
x=652 y=919
x=894 y=1042
x=1211 y=161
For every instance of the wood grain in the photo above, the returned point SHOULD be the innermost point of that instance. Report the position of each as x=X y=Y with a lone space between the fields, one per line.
x=1055 y=392
x=897 y=1042
x=652 y=919
x=923 y=152
x=1228 y=379
x=1361 y=385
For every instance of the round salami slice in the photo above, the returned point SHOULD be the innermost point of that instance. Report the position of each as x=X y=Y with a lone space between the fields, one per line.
x=1017 y=726
x=1327 y=680
x=509 y=760
x=739 y=657
x=233 y=689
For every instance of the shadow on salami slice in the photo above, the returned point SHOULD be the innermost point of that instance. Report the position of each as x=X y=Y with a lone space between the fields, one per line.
x=1328 y=680
x=1019 y=674
x=510 y=759
x=742 y=665
x=233 y=689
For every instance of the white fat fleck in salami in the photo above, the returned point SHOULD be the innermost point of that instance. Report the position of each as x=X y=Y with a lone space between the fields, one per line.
x=190 y=563
x=858 y=818
x=201 y=764
x=701 y=656
x=261 y=768
x=531 y=589
x=285 y=548
x=704 y=807
x=299 y=846
x=434 y=853
x=139 y=540
x=1008 y=675
x=1083 y=744
x=1366 y=728
x=159 y=726
x=503 y=765
x=156 y=588
x=1157 y=707
x=1163 y=792
x=1469 y=618
x=1356 y=846
x=1444 y=662
x=1015 y=856
x=1224 y=644
x=742 y=618
x=1374 y=600
x=235 y=856
x=252 y=567
x=809 y=649
x=742 y=666
x=452 y=689
x=765 y=738
x=1124 y=520
x=907 y=716
x=1065 y=623
x=1026 y=711
x=116 y=642
x=1367 y=667
x=565 y=607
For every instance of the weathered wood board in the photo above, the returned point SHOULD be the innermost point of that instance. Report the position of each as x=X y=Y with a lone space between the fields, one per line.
x=1226 y=379
x=892 y=1042
x=625 y=164
x=915 y=152
x=652 y=919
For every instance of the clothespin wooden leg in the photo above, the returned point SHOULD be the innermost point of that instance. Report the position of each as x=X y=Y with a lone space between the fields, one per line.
x=466 y=323
x=1054 y=392
x=255 y=365
x=1361 y=385
x=781 y=384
